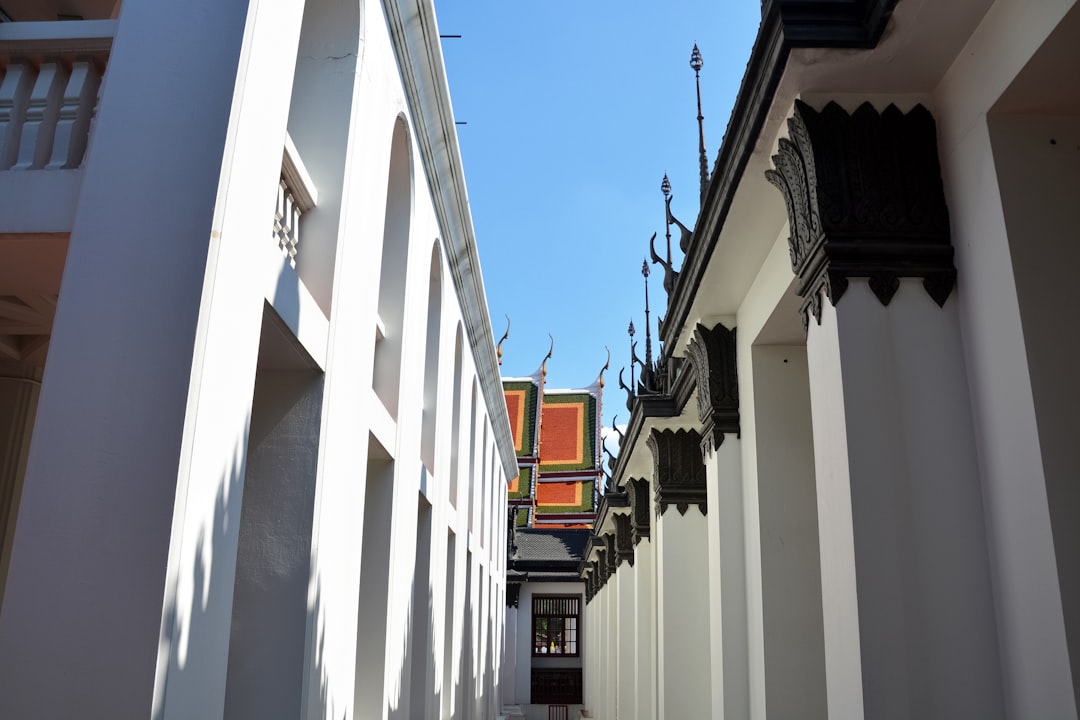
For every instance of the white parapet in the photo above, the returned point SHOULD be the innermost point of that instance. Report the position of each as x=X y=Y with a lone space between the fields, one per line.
x=49 y=87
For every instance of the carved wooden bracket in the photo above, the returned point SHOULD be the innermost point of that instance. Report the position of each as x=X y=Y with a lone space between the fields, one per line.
x=712 y=353
x=611 y=554
x=639 y=508
x=864 y=199
x=624 y=543
x=678 y=470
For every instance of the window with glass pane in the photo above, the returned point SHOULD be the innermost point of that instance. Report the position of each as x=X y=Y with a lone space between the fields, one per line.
x=555 y=624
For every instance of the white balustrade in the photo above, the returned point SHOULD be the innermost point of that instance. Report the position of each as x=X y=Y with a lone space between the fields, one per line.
x=50 y=76
x=296 y=195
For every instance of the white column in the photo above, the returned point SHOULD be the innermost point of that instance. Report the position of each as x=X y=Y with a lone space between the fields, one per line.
x=683 y=645
x=159 y=222
x=611 y=646
x=684 y=671
x=645 y=630
x=626 y=641
x=727 y=580
x=909 y=619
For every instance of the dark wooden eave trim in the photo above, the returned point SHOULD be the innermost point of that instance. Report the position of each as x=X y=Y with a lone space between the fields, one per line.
x=609 y=502
x=654 y=406
x=785 y=25
x=830 y=23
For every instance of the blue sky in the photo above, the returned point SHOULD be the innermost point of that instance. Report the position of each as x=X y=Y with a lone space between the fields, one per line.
x=574 y=112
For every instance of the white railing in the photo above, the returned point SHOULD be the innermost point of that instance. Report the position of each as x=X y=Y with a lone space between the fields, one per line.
x=50 y=74
x=296 y=195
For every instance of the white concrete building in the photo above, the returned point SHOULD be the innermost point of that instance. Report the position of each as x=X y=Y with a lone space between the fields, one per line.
x=253 y=445
x=852 y=478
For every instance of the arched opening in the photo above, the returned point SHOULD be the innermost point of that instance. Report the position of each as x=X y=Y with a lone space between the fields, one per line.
x=319 y=114
x=472 y=458
x=431 y=362
x=455 y=420
x=395 y=247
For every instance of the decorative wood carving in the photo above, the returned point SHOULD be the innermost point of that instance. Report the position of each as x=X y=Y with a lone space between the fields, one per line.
x=864 y=199
x=639 y=508
x=624 y=543
x=678 y=470
x=611 y=554
x=712 y=353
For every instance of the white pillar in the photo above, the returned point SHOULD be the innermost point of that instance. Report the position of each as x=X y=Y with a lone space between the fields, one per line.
x=114 y=454
x=682 y=556
x=625 y=634
x=727 y=580
x=645 y=630
x=908 y=609
x=643 y=621
x=611 y=628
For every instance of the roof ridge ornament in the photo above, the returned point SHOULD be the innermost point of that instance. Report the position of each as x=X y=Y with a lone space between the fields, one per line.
x=607 y=365
x=498 y=345
x=543 y=363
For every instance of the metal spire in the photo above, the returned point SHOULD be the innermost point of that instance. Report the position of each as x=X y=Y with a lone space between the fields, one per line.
x=696 y=64
x=648 y=325
x=665 y=187
x=633 y=356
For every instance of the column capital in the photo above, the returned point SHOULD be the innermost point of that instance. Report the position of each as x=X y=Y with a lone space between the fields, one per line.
x=678 y=470
x=588 y=576
x=611 y=554
x=624 y=544
x=864 y=199
x=638 y=489
x=712 y=353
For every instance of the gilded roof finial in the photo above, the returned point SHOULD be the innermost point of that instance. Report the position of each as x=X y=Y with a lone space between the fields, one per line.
x=543 y=365
x=607 y=364
x=498 y=346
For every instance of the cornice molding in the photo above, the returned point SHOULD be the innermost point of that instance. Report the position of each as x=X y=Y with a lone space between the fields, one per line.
x=865 y=199
x=678 y=470
x=785 y=25
x=829 y=23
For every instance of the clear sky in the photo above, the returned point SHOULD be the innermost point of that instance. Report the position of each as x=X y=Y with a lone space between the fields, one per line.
x=574 y=112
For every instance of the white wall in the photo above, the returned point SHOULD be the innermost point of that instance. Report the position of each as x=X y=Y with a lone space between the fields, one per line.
x=1036 y=158
x=791 y=571
x=143 y=444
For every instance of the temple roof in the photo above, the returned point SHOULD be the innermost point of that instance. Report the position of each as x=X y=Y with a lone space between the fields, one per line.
x=555 y=545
